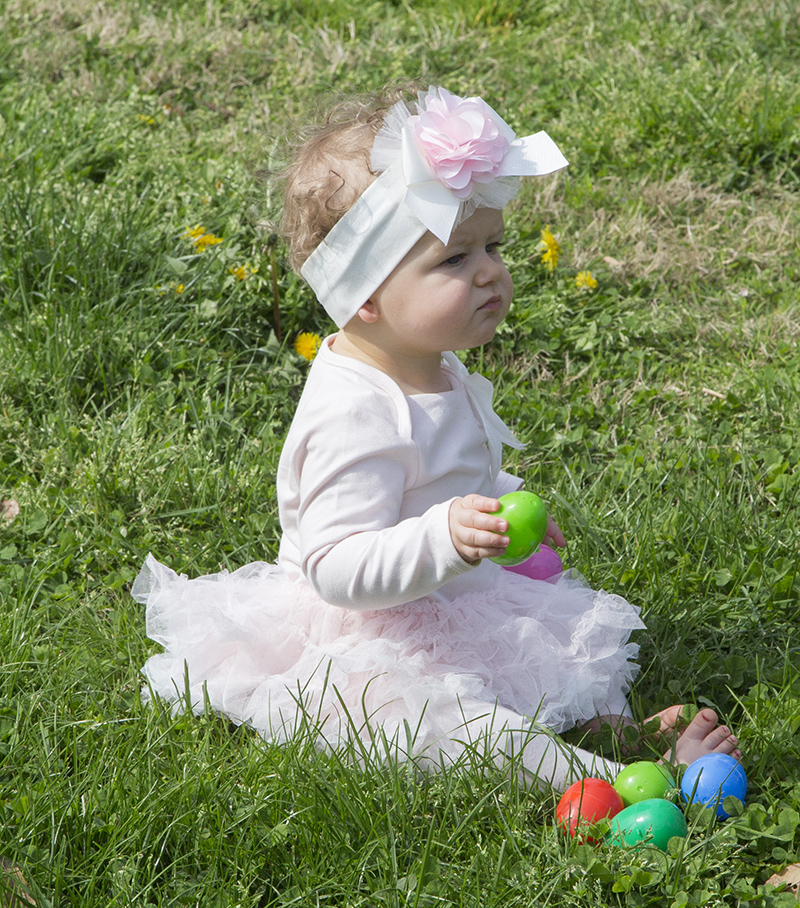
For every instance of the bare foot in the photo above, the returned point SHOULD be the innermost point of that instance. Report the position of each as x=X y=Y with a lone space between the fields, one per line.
x=669 y=720
x=702 y=736
x=686 y=737
x=600 y=723
x=613 y=734
x=631 y=735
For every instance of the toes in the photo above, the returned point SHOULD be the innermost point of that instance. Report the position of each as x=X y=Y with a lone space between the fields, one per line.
x=703 y=736
x=703 y=724
x=671 y=716
x=728 y=745
x=668 y=719
x=720 y=740
x=667 y=723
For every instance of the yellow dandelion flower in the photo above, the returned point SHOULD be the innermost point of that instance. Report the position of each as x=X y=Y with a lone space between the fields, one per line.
x=242 y=272
x=307 y=344
x=179 y=288
x=200 y=238
x=585 y=280
x=206 y=240
x=551 y=249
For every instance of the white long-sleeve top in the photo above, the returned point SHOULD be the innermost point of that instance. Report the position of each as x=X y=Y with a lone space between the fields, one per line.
x=367 y=476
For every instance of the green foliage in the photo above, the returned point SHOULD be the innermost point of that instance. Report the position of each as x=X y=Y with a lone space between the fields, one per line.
x=147 y=381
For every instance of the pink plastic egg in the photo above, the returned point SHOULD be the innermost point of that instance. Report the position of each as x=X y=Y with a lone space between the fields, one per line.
x=542 y=565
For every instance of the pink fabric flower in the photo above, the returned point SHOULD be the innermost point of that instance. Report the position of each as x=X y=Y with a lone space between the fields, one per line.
x=463 y=140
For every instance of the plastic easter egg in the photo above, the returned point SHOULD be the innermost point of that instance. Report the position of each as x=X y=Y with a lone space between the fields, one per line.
x=527 y=524
x=542 y=565
x=711 y=779
x=585 y=802
x=654 y=821
x=643 y=781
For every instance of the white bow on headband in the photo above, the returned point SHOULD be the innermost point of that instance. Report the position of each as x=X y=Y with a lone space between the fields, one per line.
x=436 y=168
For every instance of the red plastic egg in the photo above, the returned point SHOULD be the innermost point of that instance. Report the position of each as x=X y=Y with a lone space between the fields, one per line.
x=585 y=802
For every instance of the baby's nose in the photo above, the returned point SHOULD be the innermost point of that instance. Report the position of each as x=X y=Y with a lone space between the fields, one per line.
x=489 y=269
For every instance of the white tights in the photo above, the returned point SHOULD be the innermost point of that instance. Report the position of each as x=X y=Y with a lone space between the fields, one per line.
x=537 y=755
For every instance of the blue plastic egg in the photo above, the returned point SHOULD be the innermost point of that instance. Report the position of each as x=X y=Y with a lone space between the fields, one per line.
x=711 y=779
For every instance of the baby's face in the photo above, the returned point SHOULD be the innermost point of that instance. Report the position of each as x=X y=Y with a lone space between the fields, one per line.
x=449 y=297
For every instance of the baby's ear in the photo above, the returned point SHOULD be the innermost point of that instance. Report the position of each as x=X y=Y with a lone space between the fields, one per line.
x=368 y=313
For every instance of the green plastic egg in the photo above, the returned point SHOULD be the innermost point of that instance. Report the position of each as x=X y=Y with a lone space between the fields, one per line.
x=642 y=781
x=527 y=525
x=654 y=821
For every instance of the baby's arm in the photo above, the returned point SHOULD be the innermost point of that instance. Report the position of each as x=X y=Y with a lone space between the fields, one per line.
x=379 y=568
x=355 y=546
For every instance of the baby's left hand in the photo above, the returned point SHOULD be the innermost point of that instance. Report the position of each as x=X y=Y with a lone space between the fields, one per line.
x=554 y=536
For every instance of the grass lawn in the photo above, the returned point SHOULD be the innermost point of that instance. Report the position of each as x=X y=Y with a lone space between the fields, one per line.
x=148 y=377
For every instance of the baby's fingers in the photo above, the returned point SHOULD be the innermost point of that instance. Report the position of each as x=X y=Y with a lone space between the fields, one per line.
x=480 y=503
x=478 y=512
x=554 y=535
x=475 y=533
x=473 y=545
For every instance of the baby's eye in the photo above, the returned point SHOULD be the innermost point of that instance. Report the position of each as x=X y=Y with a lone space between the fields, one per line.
x=494 y=248
x=455 y=259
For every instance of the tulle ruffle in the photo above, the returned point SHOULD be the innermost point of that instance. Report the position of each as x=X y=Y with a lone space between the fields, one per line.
x=269 y=653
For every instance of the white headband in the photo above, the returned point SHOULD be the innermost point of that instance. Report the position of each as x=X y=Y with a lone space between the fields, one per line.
x=436 y=168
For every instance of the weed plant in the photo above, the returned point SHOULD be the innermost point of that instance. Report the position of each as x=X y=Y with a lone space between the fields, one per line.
x=148 y=376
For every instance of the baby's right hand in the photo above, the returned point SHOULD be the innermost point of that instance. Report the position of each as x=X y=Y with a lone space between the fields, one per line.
x=475 y=532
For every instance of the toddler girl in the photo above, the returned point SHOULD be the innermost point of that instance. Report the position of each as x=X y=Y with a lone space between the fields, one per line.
x=383 y=612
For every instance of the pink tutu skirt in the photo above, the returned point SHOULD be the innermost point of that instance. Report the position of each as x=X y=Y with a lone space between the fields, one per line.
x=271 y=654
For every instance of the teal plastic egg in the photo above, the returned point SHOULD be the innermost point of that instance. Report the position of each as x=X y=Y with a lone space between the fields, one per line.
x=527 y=525
x=654 y=821
x=643 y=781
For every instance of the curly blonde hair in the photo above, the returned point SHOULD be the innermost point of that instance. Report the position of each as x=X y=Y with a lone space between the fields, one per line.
x=330 y=170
